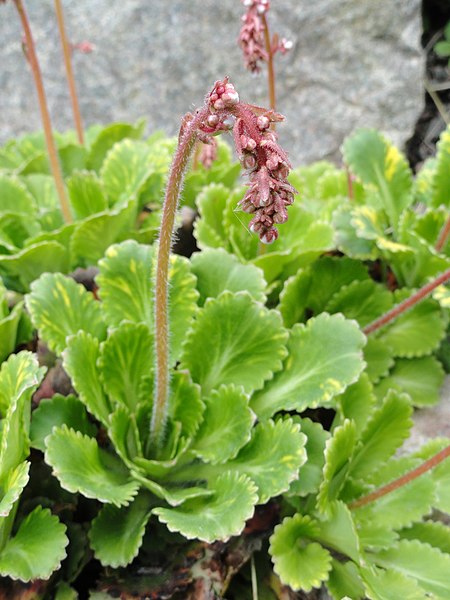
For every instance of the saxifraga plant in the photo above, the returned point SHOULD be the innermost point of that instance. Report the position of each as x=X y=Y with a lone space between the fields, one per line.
x=268 y=196
x=183 y=441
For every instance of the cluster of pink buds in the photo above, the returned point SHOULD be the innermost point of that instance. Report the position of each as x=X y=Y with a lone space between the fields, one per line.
x=267 y=164
x=251 y=36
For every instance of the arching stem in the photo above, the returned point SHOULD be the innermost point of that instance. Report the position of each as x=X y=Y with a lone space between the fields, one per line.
x=161 y=397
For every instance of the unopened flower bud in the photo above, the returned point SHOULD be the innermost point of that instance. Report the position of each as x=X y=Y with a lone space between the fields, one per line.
x=249 y=161
x=269 y=236
x=212 y=120
x=263 y=122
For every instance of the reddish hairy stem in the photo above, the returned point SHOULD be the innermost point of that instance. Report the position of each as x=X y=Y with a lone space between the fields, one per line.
x=270 y=68
x=403 y=480
x=69 y=71
x=46 y=122
x=443 y=236
x=160 y=404
x=408 y=303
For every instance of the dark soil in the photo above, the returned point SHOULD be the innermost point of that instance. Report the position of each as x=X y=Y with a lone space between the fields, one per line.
x=422 y=144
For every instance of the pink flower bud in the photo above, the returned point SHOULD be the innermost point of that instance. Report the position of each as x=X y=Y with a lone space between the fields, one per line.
x=269 y=236
x=263 y=122
x=249 y=161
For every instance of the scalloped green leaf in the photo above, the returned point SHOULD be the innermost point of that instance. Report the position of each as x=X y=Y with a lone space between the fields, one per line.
x=43 y=189
x=325 y=356
x=376 y=161
x=272 y=458
x=299 y=562
x=107 y=137
x=185 y=403
x=19 y=377
x=96 y=233
x=37 y=548
x=441 y=181
x=427 y=565
x=434 y=533
x=385 y=585
x=124 y=435
x=125 y=282
x=81 y=466
x=417 y=332
x=217 y=271
x=294 y=297
x=356 y=403
x=363 y=301
x=345 y=582
x=313 y=287
x=338 y=531
x=217 y=517
x=339 y=450
x=441 y=478
x=12 y=486
x=347 y=240
x=80 y=359
x=311 y=471
x=385 y=432
x=126 y=289
x=116 y=533
x=226 y=426
x=379 y=359
x=28 y=264
x=126 y=358
x=86 y=194
x=421 y=378
x=209 y=228
x=55 y=411
x=59 y=307
x=127 y=167
x=234 y=340
x=8 y=330
x=14 y=196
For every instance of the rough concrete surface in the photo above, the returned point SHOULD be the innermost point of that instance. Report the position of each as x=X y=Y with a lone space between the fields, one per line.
x=430 y=423
x=354 y=63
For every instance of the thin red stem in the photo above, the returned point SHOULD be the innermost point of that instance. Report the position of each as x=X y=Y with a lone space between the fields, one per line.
x=67 y=53
x=408 y=303
x=45 y=115
x=270 y=67
x=179 y=164
x=403 y=480
x=443 y=236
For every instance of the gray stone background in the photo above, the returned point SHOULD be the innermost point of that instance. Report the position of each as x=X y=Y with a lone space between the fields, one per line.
x=354 y=63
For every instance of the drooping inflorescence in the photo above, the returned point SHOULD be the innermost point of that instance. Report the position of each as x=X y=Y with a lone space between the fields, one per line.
x=266 y=163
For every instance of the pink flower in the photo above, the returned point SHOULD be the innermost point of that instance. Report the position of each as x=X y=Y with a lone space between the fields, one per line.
x=269 y=192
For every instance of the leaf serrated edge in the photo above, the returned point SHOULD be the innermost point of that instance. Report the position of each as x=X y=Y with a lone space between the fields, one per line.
x=55 y=433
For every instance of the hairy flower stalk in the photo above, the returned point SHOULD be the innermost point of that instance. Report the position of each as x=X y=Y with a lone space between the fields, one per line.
x=426 y=466
x=414 y=299
x=46 y=122
x=256 y=44
x=267 y=198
